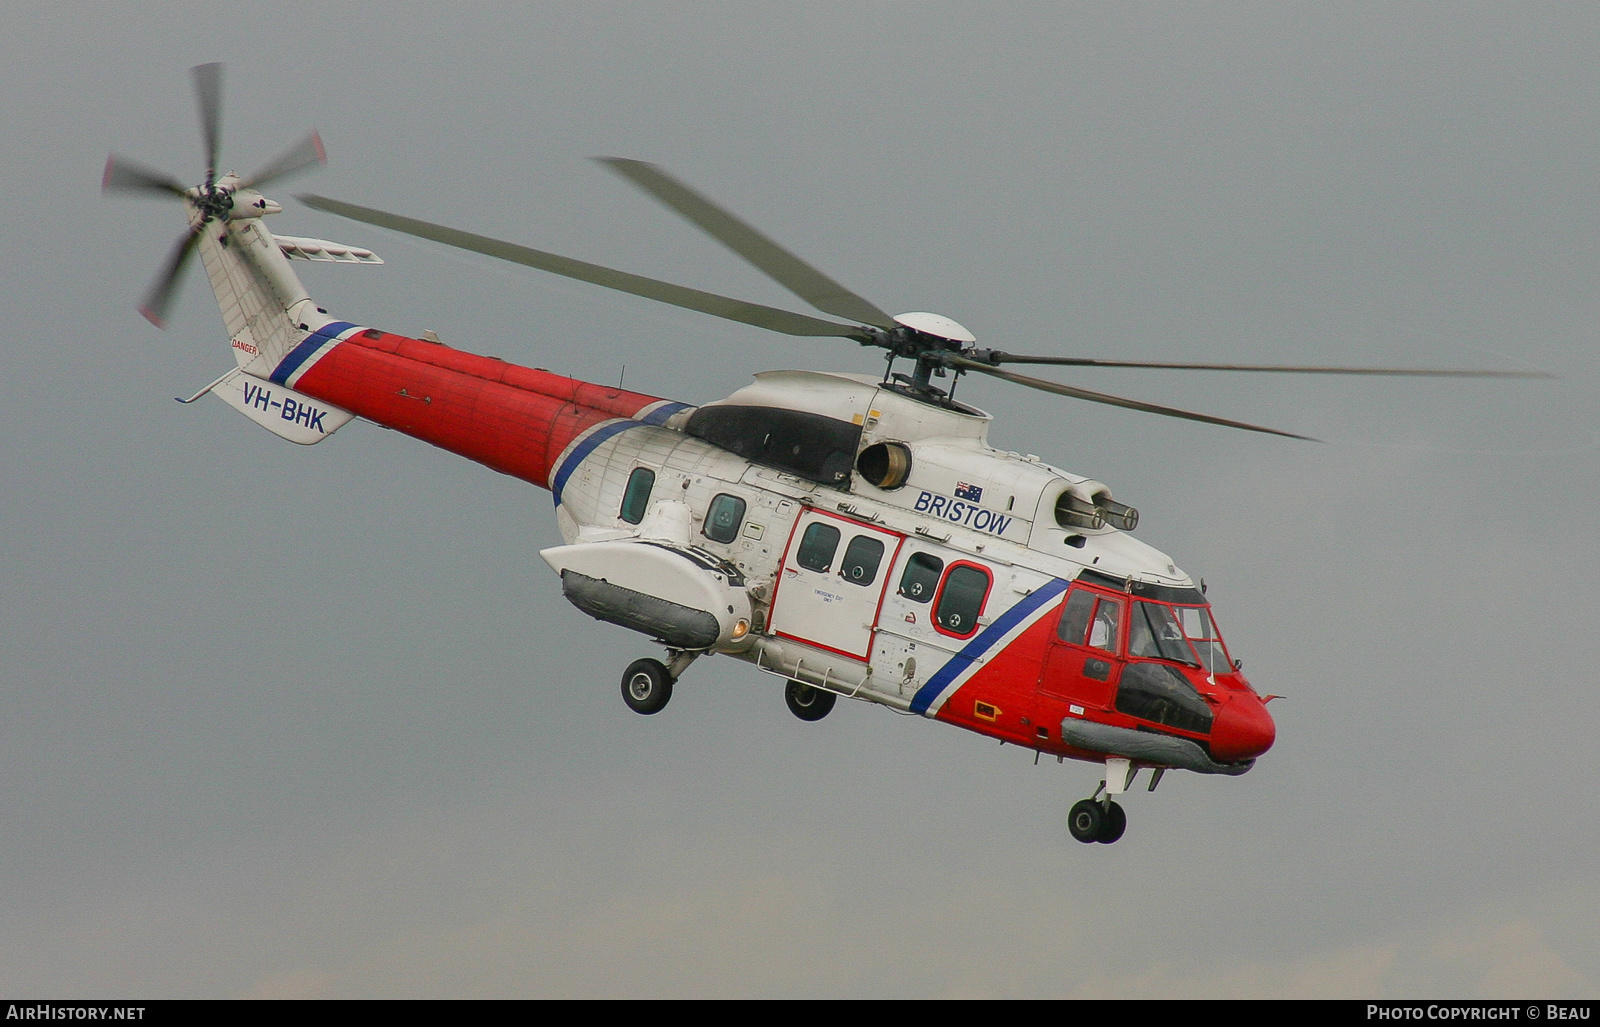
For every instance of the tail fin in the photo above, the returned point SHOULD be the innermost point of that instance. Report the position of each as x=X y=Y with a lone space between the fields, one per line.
x=273 y=324
x=264 y=304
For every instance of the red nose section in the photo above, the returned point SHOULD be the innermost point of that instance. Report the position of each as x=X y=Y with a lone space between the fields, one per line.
x=1242 y=730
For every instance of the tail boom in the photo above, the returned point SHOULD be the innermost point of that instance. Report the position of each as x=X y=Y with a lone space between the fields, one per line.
x=524 y=422
x=527 y=423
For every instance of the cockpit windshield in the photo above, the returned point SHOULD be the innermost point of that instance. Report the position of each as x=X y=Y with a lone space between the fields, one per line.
x=1182 y=634
x=1156 y=634
x=1202 y=633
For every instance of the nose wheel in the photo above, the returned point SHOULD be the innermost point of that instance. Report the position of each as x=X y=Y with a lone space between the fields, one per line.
x=1097 y=820
x=1101 y=820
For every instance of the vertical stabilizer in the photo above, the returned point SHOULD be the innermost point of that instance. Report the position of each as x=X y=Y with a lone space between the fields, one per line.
x=264 y=304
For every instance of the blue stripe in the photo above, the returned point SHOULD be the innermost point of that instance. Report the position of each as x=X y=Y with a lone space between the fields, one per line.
x=582 y=450
x=662 y=413
x=657 y=416
x=309 y=345
x=983 y=642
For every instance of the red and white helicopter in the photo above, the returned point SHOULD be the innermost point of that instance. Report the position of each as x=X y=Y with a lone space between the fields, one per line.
x=852 y=535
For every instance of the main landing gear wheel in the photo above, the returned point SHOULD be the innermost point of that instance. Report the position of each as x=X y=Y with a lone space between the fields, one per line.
x=806 y=702
x=1116 y=823
x=646 y=686
x=1095 y=821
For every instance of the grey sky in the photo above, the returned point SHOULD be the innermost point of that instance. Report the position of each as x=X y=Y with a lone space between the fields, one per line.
x=317 y=722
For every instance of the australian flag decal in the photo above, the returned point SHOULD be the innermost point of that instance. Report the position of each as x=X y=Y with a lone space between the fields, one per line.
x=971 y=493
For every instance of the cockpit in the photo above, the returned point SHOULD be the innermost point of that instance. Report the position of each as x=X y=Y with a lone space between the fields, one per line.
x=1147 y=651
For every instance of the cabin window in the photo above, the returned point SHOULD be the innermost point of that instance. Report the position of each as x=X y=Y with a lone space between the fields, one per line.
x=810 y=446
x=961 y=600
x=921 y=578
x=817 y=547
x=723 y=518
x=637 y=496
x=861 y=560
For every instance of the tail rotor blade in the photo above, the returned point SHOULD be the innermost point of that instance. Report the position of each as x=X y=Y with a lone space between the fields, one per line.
x=772 y=259
x=125 y=176
x=162 y=291
x=208 y=92
x=304 y=154
x=1110 y=400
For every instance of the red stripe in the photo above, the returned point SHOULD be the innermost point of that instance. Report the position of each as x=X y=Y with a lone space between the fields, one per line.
x=514 y=419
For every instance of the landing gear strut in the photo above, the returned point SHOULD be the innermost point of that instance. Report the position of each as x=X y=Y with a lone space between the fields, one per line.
x=806 y=702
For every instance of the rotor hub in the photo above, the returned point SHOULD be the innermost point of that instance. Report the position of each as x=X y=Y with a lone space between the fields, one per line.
x=938 y=326
x=214 y=202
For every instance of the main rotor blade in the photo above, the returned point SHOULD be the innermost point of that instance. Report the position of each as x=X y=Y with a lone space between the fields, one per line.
x=1014 y=358
x=778 y=263
x=298 y=157
x=125 y=176
x=679 y=296
x=208 y=92
x=165 y=287
x=1110 y=400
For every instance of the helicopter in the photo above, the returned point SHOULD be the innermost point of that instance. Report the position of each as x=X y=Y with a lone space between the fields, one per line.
x=850 y=535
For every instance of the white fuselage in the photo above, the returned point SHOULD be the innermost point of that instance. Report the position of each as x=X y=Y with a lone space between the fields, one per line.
x=962 y=503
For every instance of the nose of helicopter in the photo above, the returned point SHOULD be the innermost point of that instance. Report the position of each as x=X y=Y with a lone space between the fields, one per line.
x=1242 y=730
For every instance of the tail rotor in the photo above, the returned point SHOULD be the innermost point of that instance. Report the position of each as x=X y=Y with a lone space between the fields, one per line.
x=211 y=201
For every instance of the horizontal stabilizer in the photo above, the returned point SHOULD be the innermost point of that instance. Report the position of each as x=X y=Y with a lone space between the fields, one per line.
x=296 y=248
x=282 y=411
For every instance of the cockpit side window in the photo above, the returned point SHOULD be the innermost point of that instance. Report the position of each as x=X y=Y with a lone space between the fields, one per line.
x=1075 y=617
x=1090 y=619
x=1107 y=619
